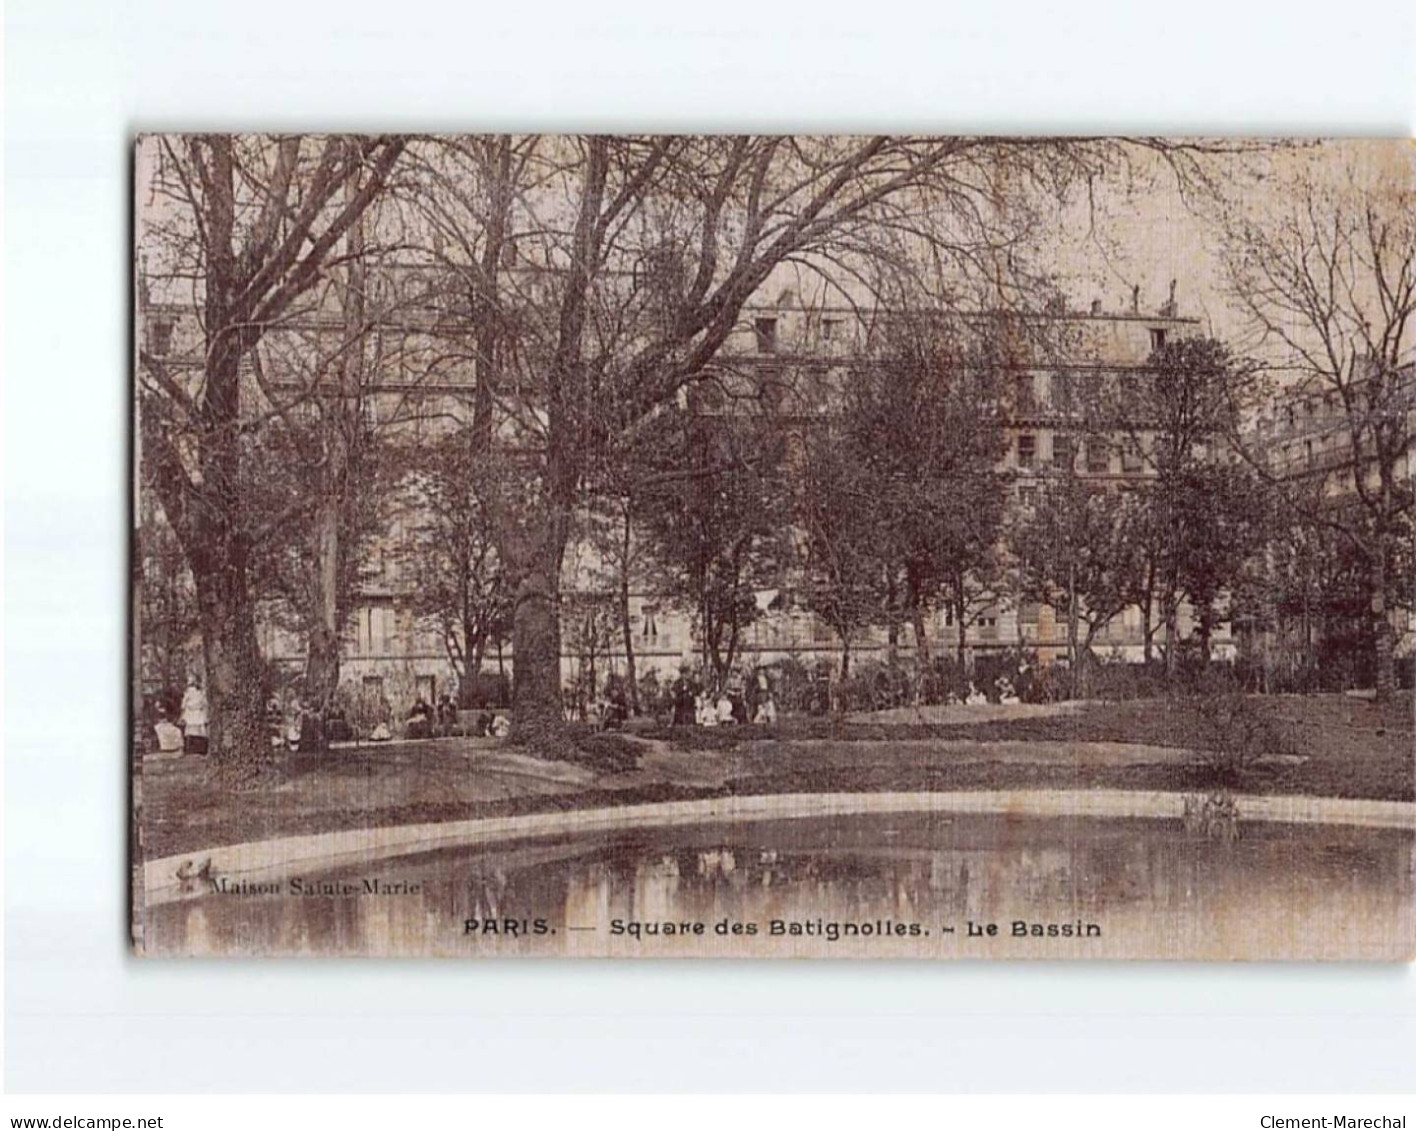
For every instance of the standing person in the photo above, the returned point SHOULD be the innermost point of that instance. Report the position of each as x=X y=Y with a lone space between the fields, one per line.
x=447 y=713
x=766 y=712
x=737 y=701
x=683 y=699
x=194 y=717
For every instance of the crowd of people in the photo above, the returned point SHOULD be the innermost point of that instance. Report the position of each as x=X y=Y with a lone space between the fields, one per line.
x=736 y=702
x=293 y=724
x=742 y=699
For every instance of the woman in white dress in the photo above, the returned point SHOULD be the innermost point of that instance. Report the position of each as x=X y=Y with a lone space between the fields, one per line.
x=194 y=717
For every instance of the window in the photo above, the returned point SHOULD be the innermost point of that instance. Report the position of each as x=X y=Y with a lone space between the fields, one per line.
x=1028 y=497
x=766 y=331
x=650 y=630
x=1062 y=392
x=160 y=336
x=829 y=327
x=1027 y=450
x=375 y=629
x=1157 y=339
x=1023 y=399
x=1063 y=453
x=1098 y=456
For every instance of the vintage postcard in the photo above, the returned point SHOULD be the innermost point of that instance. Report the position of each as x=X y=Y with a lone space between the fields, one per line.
x=718 y=546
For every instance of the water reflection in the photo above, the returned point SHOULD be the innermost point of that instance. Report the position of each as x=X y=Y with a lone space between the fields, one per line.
x=902 y=886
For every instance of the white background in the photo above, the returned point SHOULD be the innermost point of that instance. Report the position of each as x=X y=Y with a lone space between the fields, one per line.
x=82 y=78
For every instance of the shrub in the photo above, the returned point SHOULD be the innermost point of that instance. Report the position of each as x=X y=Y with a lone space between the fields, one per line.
x=1119 y=681
x=603 y=753
x=876 y=686
x=797 y=687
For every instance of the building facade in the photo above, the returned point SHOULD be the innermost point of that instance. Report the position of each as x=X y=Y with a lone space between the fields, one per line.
x=412 y=393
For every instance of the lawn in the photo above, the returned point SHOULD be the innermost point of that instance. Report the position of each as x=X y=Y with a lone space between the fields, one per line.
x=1322 y=746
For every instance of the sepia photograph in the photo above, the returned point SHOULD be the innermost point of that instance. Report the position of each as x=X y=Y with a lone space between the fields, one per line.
x=772 y=546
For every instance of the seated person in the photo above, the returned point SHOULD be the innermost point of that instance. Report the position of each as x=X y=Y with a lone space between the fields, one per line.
x=616 y=710
x=312 y=735
x=336 y=725
x=724 y=710
x=420 y=719
x=169 y=736
x=705 y=711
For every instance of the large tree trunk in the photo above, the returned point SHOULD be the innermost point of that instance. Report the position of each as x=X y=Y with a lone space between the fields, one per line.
x=1073 y=658
x=331 y=547
x=235 y=674
x=1381 y=626
x=892 y=614
x=537 y=718
x=920 y=635
x=1205 y=629
x=1171 y=611
x=322 y=659
x=1147 y=629
x=963 y=634
x=921 y=638
x=630 y=675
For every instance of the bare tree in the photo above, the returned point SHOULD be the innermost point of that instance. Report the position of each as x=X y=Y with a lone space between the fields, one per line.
x=1327 y=277
x=446 y=506
x=249 y=226
x=641 y=253
x=1073 y=556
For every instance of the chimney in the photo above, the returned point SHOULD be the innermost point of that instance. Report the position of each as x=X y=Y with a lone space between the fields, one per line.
x=1168 y=308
